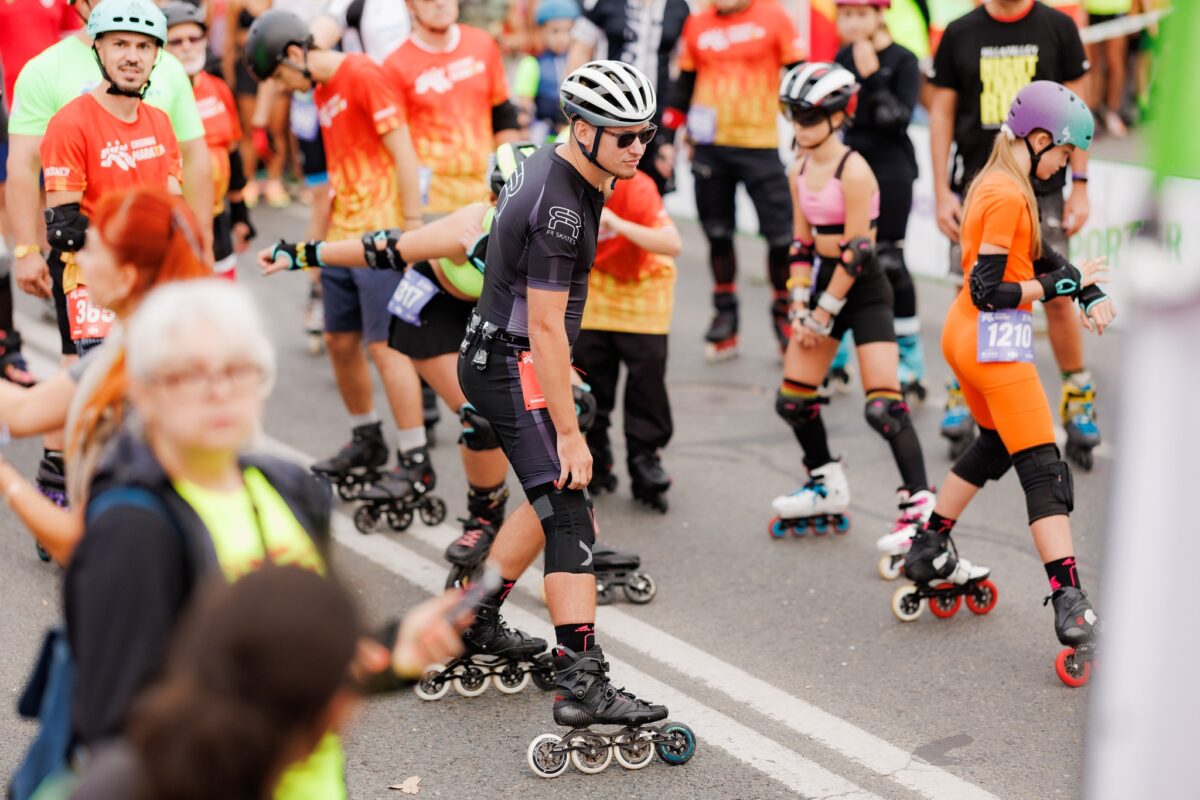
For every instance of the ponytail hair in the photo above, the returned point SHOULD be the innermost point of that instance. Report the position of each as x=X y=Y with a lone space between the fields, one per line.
x=255 y=667
x=1002 y=159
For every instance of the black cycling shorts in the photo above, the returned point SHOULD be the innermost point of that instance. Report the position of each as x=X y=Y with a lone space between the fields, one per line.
x=868 y=310
x=442 y=322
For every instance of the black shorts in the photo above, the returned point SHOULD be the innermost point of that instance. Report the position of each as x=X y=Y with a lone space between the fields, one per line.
x=528 y=438
x=868 y=310
x=718 y=171
x=54 y=262
x=222 y=235
x=244 y=82
x=442 y=323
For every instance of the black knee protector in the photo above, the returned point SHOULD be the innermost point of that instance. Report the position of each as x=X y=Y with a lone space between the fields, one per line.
x=1046 y=479
x=798 y=411
x=477 y=432
x=858 y=257
x=585 y=406
x=566 y=517
x=66 y=227
x=986 y=459
x=887 y=415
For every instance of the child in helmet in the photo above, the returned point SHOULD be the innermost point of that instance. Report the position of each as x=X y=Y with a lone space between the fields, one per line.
x=538 y=77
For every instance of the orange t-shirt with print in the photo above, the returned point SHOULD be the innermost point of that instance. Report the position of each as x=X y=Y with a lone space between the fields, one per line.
x=448 y=98
x=996 y=214
x=222 y=128
x=738 y=59
x=356 y=108
x=87 y=149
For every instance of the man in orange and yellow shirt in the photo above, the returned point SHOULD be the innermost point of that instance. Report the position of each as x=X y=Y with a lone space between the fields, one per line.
x=452 y=81
x=727 y=95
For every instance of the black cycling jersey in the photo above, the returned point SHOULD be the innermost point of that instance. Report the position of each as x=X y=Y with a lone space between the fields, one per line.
x=543 y=236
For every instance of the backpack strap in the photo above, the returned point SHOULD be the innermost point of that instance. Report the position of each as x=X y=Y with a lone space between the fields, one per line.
x=143 y=498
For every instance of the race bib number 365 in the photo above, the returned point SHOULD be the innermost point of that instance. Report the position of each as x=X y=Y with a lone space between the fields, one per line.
x=1004 y=337
x=88 y=320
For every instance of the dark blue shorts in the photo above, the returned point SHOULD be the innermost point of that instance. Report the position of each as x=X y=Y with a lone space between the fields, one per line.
x=356 y=301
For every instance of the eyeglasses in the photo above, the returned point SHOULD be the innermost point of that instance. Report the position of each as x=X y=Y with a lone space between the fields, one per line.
x=182 y=40
x=805 y=117
x=625 y=140
x=195 y=384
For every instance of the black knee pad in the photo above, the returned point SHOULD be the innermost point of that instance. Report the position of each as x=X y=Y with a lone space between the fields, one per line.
x=986 y=459
x=798 y=411
x=567 y=521
x=477 y=432
x=1046 y=479
x=889 y=416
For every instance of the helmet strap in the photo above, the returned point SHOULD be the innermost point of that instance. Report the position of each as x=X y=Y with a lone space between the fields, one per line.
x=1035 y=156
x=112 y=85
x=832 y=131
x=595 y=151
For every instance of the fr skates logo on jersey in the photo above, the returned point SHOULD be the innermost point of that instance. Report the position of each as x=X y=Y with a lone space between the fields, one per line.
x=564 y=223
x=720 y=39
x=125 y=156
x=330 y=109
x=441 y=79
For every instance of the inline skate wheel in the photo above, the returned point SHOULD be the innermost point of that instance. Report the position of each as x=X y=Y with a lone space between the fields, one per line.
x=432 y=511
x=546 y=756
x=1070 y=671
x=982 y=597
x=906 y=604
x=429 y=687
x=1081 y=456
x=945 y=607
x=841 y=524
x=544 y=677
x=461 y=577
x=366 y=519
x=511 y=680
x=594 y=753
x=400 y=520
x=890 y=567
x=604 y=595
x=820 y=526
x=349 y=491
x=640 y=589
x=471 y=682
x=777 y=528
x=316 y=344
x=680 y=744
x=634 y=750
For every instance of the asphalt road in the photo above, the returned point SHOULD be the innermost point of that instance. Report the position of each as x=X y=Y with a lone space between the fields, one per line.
x=782 y=655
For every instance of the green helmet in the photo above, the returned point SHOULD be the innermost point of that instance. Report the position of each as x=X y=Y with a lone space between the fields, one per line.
x=504 y=162
x=128 y=16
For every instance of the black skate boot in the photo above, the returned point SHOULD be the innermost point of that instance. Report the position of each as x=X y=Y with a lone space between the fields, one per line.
x=357 y=465
x=51 y=481
x=650 y=481
x=619 y=569
x=603 y=479
x=494 y=653
x=1076 y=625
x=941 y=580
x=722 y=332
x=485 y=515
x=585 y=696
x=396 y=495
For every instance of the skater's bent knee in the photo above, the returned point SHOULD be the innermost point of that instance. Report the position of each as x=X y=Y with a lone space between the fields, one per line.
x=566 y=518
x=1046 y=479
x=798 y=403
x=887 y=413
x=986 y=459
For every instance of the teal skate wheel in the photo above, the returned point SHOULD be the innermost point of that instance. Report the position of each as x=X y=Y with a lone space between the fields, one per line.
x=842 y=524
x=634 y=749
x=679 y=745
x=547 y=757
x=777 y=528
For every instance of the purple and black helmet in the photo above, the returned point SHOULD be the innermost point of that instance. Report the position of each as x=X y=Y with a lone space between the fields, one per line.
x=1055 y=109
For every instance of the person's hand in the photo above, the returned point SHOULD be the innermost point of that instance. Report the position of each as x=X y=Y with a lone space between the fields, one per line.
x=242 y=234
x=1094 y=270
x=1076 y=210
x=866 y=60
x=664 y=160
x=949 y=214
x=576 y=461
x=427 y=637
x=1100 y=317
x=271 y=261
x=809 y=338
x=33 y=276
x=609 y=221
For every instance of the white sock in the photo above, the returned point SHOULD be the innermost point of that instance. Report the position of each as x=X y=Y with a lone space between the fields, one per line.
x=410 y=438
x=358 y=420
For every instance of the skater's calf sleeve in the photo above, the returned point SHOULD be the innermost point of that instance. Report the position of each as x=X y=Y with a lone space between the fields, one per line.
x=1046 y=479
x=570 y=529
x=986 y=459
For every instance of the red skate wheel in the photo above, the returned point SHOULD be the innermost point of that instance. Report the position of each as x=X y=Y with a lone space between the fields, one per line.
x=982 y=597
x=777 y=529
x=1071 y=672
x=945 y=607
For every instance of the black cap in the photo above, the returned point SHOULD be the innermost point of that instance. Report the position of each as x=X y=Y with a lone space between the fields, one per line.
x=179 y=12
x=269 y=38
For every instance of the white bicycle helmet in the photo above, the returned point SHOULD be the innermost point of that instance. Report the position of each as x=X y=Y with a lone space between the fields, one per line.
x=819 y=84
x=608 y=94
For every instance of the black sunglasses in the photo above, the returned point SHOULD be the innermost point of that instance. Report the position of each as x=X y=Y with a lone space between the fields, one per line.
x=625 y=140
x=804 y=117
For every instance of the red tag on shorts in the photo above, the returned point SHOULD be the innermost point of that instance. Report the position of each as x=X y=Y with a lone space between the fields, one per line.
x=531 y=390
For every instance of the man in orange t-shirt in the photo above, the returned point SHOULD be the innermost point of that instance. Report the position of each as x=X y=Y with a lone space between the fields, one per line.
x=452 y=80
x=727 y=94
x=102 y=141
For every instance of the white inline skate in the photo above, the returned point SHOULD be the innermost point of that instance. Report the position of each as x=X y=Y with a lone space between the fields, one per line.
x=822 y=501
x=915 y=509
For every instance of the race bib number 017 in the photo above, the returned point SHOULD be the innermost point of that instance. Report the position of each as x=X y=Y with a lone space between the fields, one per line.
x=88 y=320
x=1004 y=337
x=411 y=296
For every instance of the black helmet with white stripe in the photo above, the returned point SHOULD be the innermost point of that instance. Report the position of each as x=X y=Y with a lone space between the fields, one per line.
x=819 y=85
x=608 y=94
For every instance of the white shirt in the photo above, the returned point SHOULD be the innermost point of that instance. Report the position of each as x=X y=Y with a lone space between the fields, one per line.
x=383 y=27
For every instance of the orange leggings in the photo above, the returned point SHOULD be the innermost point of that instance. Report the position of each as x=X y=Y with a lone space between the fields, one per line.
x=1007 y=398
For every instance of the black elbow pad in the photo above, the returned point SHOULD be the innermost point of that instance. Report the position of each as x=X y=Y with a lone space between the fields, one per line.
x=66 y=227
x=989 y=290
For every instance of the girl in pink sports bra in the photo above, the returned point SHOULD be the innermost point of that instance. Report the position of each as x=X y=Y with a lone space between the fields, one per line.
x=837 y=285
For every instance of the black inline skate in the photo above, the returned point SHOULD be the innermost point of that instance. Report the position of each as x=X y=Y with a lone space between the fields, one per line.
x=619 y=569
x=722 y=336
x=494 y=654
x=1077 y=408
x=485 y=515
x=399 y=493
x=358 y=464
x=586 y=697
x=51 y=481
x=941 y=580
x=1076 y=625
x=650 y=481
x=603 y=478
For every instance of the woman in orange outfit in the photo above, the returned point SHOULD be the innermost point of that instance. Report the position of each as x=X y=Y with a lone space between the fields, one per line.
x=988 y=342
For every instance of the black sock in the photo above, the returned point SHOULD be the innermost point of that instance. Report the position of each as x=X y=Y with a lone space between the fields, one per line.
x=576 y=636
x=1062 y=573
x=501 y=593
x=939 y=524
